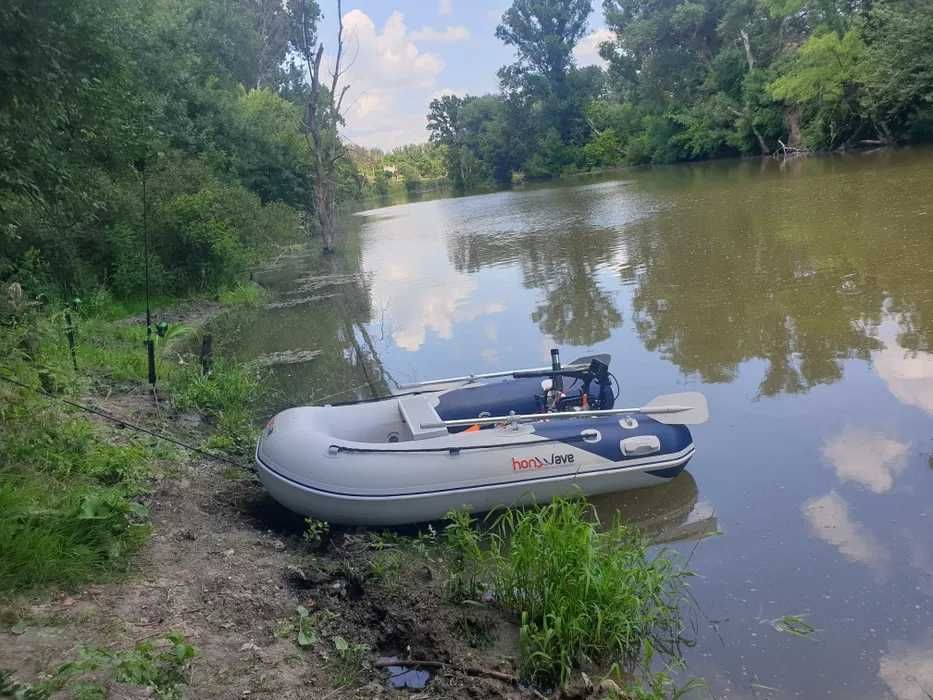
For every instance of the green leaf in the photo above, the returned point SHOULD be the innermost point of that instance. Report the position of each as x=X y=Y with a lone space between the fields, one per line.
x=341 y=644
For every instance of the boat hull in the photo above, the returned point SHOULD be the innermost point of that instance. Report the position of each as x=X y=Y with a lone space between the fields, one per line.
x=403 y=508
x=313 y=472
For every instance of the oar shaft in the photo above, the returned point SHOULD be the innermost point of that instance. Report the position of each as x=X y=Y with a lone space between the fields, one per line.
x=524 y=417
x=488 y=375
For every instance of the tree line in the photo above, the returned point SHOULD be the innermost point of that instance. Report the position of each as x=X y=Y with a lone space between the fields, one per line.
x=692 y=79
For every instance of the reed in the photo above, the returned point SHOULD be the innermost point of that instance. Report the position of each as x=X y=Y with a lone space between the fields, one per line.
x=584 y=595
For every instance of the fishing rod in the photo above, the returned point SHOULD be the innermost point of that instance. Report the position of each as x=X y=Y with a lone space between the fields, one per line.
x=688 y=408
x=150 y=343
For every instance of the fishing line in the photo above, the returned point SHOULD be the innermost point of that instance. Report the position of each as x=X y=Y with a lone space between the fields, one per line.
x=124 y=423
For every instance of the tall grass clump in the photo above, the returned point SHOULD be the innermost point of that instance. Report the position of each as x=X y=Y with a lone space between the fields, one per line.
x=229 y=394
x=243 y=294
x=584 y=596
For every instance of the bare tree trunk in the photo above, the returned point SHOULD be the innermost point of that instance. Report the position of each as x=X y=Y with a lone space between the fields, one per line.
x=323 y=118
x=792 y=119
x=750 y=60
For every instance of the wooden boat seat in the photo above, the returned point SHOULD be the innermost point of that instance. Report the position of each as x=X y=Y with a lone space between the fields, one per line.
x=416 y=410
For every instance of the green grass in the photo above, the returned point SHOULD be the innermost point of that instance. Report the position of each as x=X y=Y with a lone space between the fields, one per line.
x=68 y=508
x=243 y=294
x=229 y=395
x=71 y=486
x=161 y=665
x=583 y=596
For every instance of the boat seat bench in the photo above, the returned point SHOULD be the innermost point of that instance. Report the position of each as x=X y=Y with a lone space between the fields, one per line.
x=416 y=410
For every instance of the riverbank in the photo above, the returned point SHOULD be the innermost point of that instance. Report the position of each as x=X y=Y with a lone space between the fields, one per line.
x=196 y=583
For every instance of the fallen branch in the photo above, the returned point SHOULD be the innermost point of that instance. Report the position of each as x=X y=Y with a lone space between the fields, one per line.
x=469 y=670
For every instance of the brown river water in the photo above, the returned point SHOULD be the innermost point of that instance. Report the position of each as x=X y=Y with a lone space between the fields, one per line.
x=797 y=296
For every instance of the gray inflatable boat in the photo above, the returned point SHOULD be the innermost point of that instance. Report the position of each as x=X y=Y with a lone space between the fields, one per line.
x=415 y=456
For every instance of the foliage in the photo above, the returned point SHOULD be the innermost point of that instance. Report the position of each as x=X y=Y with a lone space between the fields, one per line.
x=197 y=94
x=304 y=628
x=68 y=508
x=161 y=665
x=795 y=625
x=582 y=595
x=243 y=294
x=350 y=663
x=693 y=79
x=229 y=394
x=315 y=530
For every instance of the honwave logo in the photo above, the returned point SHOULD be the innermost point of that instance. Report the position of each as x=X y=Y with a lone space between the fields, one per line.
x=540 y=462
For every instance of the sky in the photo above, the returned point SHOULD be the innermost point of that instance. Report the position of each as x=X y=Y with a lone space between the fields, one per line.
x=404 y=53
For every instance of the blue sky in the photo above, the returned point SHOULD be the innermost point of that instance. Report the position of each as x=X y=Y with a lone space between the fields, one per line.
x=406 y=52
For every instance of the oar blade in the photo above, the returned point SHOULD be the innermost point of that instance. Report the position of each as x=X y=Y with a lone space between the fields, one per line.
x=694 y=411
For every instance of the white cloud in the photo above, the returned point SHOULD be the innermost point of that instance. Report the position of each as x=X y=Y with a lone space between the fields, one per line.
x=445 y=7
x=907 y=670
x=449 y=35
x=908 y=374
x=586 y=52
x=829 y=520
x=867 y=458
x=389 y=78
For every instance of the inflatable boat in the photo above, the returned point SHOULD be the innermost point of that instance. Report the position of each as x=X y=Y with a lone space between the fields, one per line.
x=476 y=443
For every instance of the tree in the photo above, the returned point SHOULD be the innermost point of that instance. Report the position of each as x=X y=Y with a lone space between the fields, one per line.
x=544 y=34
x=323 y=115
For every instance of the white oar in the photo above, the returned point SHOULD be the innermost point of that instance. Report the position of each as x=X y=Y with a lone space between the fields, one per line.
x=469 y=378
x=688 y=408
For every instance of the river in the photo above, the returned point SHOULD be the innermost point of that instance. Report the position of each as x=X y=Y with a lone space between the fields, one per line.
x=797 y=296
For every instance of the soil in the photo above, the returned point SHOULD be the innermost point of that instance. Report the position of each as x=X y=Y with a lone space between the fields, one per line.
x=228 y=567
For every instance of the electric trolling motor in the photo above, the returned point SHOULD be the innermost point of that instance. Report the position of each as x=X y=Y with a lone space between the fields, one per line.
x=554 y=398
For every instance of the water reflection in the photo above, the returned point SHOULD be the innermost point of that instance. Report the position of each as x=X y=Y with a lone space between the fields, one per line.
x=564 y=266
x=667 y=513
x=907 y=670
x=866 y=457
x=830 y=521
x=907 y=372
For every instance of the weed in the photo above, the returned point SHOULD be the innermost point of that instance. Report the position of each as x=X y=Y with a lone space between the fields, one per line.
x=306 y=636
x=582 y=595
x=466 y=558
x=161 y=665
x=243 y=294
x=385 y=566
x=12 y=688
x=67 y=508
x=793 y=624
x=652 y=685
x=315 y=531
x=350 y=663
x=229 y=394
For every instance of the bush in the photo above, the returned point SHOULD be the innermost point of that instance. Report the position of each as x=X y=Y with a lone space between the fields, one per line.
x=582 y=595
